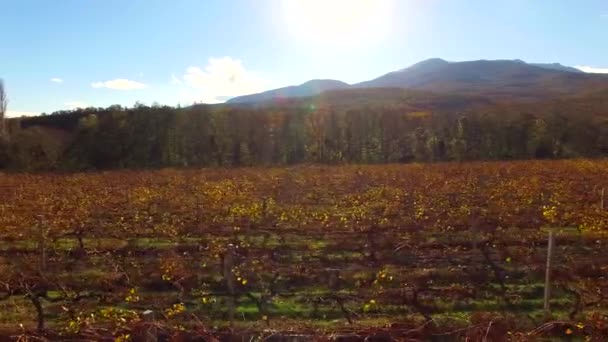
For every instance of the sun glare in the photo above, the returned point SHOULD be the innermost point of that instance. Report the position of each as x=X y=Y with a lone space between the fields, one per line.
x=338 y=22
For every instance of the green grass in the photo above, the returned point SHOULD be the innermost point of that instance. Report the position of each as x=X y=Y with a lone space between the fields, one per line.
x=298 y=307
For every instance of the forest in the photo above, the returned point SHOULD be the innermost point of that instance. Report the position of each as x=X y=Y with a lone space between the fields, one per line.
x=361 y=127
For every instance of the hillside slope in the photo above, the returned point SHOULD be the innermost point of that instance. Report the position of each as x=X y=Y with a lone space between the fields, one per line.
x=309 y=88
x=499 y=79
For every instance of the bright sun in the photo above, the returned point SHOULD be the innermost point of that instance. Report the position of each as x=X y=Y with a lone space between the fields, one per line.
x=339 y=22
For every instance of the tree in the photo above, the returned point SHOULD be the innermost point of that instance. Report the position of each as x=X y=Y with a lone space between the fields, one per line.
x=3 y=105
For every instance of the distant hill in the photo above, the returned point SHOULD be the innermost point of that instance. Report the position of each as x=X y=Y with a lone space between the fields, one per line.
x=504 y=79
x=499 y=78
x=309 y=88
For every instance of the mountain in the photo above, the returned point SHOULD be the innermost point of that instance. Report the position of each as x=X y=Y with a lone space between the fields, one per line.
x=434 y=73
x=499 y=79
x=310 y=88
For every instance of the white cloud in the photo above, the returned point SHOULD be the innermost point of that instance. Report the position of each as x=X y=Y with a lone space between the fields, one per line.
x=16 y=113
x=221 y=79
x=592 y=70
x=120 y=84
x=56 y=80
x=75 y=105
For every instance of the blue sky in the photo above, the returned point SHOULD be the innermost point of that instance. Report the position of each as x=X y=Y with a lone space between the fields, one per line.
x=69 y=53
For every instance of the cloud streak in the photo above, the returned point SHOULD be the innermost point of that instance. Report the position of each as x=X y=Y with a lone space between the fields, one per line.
x=592 y=70
x=120 y=84
x=56 y=80
x=221 y=79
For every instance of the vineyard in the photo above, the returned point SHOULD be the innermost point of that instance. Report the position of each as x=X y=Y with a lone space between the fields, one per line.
x=447 y=250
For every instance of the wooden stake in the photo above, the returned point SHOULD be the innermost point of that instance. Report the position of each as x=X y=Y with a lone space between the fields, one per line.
x=151 y=333
x=550 y=246
x=41 y=244
x=229 y=277
x=602 y=199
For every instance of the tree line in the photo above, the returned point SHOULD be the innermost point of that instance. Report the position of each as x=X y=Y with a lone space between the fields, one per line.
x=234 y=136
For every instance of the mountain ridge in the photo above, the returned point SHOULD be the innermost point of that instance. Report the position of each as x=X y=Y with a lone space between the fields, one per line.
x=308 y=88
x=501 y=78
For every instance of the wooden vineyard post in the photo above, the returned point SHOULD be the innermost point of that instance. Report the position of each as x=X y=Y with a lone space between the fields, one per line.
x=550 y=247
x=229 y=277
x=602 y=199
x=41 y=244
x=151 y=333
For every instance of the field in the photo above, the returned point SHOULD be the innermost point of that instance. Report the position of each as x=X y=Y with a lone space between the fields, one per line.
x=400 y=251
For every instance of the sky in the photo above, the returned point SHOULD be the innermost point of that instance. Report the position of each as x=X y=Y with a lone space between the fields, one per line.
x=65 y=54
